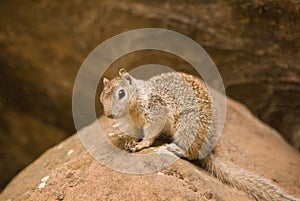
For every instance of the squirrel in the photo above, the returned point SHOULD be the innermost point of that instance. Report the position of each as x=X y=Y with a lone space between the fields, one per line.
x=180 y=105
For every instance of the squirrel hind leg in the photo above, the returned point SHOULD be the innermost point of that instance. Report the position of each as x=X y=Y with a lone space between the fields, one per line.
x=175 y=149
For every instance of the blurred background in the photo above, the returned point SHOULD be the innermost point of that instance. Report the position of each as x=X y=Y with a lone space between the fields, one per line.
x=255 y=45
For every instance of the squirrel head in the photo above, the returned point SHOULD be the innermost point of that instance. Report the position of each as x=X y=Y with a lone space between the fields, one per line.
x=117 y=94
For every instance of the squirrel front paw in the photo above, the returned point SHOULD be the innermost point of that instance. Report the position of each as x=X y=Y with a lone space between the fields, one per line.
x=130 y=144
x=137 y=147
x=134 y=149
x=145 y=143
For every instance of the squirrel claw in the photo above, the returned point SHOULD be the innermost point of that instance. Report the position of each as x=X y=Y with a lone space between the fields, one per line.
x=134 y=149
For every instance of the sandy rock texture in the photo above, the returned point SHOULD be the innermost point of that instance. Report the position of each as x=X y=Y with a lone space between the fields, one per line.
x=255 y=44
x=68 y=172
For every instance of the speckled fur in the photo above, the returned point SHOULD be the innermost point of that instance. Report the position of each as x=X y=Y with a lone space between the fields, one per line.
x=180 y=105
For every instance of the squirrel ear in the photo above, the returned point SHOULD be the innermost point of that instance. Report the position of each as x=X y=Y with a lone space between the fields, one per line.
x=105 y=80
x=122 y=72
x=128 y=78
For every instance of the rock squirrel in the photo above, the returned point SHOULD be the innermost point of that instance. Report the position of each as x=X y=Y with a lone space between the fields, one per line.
x=180 y=105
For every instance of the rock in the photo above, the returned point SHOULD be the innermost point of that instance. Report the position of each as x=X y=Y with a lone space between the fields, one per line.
x=23 y=137
x=79 y=176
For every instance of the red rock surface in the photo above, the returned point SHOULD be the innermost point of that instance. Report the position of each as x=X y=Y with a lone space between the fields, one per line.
x=75 y=175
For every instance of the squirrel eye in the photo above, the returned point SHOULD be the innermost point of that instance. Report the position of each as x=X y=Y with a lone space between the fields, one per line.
x=121 y=93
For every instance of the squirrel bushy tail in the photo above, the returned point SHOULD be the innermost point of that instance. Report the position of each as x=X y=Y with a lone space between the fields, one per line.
x=256 y=186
